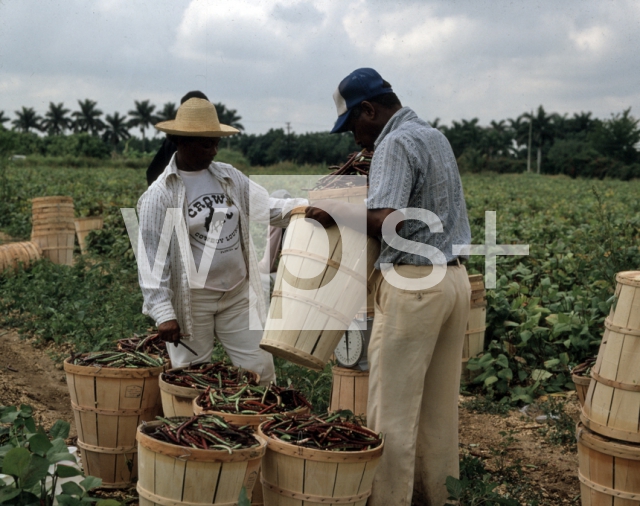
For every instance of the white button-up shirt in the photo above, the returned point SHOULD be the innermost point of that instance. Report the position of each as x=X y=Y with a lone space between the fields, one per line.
x=171 y=300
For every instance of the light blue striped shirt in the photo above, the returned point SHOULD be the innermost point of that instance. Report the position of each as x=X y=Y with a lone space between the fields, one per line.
x=414 y=166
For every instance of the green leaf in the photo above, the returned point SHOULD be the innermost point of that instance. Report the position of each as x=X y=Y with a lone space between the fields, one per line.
x=502 y=360
x=540 y=375
x=552 y=363
x=37 y=471
x=67 y=500
x=91 y=482
x=73 y=489
x=16 y=462
x=490 y=380
x=67 y=471
x=108 y=502
x=26 y=411
x=454 y=487
x=243 y=499
x=60 y=429
x=40 y=444
x=8 y=493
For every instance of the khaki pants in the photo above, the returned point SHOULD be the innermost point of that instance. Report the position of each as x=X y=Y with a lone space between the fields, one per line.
x=225 y=315
x=415 y=359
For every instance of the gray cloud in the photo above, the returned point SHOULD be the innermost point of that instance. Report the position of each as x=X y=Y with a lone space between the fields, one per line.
x=278 y=61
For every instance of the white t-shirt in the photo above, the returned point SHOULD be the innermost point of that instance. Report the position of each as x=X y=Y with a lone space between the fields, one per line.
x=205 y=195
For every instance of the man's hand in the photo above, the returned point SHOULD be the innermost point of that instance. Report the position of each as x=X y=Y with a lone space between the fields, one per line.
x=169 y=331
x=322 y=217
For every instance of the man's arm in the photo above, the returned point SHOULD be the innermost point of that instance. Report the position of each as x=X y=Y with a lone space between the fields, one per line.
x=350 y=215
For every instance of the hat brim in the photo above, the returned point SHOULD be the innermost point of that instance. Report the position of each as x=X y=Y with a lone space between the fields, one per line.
x=172 y=127
x=341 y=123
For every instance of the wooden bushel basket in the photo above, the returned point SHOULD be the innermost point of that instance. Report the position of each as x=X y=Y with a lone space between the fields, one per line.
x=612 y=403
x=53 y=229
x=178 y=401
x=240 y=419
x=84 y=226
x=253 y=421
x=626 y=311
x=108 y=405
x=322 y=306
x=609 y=470
x=298 y=476
x=580 y=381
x=172 y=475
x=476 y=325
x=12 y=254
x=349 y=390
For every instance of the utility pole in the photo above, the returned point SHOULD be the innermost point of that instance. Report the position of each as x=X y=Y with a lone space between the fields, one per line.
x=288 y=123
x=529 y=146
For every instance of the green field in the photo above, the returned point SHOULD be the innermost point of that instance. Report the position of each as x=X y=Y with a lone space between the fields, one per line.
x=545 y=315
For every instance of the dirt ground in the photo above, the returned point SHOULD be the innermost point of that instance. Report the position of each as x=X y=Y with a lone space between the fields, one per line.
x=28 y=375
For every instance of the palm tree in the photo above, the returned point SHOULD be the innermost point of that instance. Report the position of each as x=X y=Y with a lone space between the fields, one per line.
x=116 y=129
x=87 y=119
x=56 y=120
x=26 y=119
x=228 y=117
x=142 y=116
x=542 y=131
x=3 y=120
x=168 y=112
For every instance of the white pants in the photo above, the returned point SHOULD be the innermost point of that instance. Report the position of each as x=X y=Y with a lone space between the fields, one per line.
x=224 y=315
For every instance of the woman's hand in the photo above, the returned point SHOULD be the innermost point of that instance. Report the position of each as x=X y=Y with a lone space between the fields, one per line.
x=169 y=331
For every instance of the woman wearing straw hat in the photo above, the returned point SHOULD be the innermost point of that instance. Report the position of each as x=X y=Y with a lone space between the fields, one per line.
x=211 y=201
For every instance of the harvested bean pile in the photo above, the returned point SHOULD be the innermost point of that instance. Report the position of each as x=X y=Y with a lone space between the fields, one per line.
x=117 y=359
x=358 y=164
x=146 y=344
x=205 y=432
x=217 y=375
x=252 y=400
x=322 y=432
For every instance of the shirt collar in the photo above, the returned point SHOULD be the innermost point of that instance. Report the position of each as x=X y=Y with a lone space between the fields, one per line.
x=401 y=116
x=218 y=170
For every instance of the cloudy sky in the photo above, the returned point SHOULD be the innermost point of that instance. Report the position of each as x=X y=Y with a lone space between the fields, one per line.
x=279 y=61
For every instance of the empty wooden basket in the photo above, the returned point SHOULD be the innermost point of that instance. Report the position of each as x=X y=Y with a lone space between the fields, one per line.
x=309 y=314
x=349 y=390
x=84 y=226
x=172 y=475
x=612 y=403
x=476 y=325
x=15 y=253
x=108 y=405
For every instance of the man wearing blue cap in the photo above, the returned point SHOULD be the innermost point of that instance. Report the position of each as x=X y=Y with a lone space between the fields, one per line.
x=418 y=330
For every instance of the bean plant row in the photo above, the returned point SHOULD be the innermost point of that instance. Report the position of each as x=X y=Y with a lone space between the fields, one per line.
x=545 y=315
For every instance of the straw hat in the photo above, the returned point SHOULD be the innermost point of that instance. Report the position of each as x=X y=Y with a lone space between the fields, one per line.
x=196 y=118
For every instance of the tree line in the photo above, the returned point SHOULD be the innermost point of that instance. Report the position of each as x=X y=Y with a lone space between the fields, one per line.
x=537 y=141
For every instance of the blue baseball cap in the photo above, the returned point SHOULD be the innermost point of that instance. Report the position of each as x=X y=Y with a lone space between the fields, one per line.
x=362 y=84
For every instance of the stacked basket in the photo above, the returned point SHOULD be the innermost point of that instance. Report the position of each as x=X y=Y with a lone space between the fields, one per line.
x=53 y=228
x=609 y=435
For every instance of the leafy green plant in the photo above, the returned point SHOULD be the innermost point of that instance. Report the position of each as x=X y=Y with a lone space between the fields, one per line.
x=561 y=427
x=32 y=461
